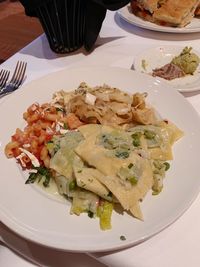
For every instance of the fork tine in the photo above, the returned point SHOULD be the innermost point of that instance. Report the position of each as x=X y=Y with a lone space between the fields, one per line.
x=15 y=72
x=4 y=77
x=16 y=80
x=19 y=73
x=1 y=73
x=22 y=73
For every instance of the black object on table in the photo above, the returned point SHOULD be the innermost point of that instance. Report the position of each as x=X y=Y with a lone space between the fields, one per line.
x=71 y=24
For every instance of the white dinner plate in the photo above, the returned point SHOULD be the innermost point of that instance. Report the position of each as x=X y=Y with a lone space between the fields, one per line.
x=157 y=57
x=40 y=217
x=126 y=14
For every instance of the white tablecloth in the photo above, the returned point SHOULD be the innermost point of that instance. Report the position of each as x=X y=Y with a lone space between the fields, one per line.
x=118 y=44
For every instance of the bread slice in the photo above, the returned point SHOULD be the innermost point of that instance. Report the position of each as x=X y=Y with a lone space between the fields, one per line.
x=140 y=12
x=149 y=5
x=177 y=13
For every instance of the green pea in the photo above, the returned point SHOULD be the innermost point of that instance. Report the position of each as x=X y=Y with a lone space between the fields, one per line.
x=167 y=166
x=72 y=185
x=149 y=134
x=136 y=139
x=122 y=237
x=133 y=180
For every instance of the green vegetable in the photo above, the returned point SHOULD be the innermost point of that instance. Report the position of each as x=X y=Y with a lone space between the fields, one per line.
x=156 y=191
x=133 y=180
x=32 y=178
x=84 y=201
x=149 y=134
x=115 y=139
x=110 y=194
x=187 y=61
x=90 y=214
x=53 y=146
x=136 y=139
x=159 y=169
x=167 y=166
x=72 y=185
x=104 y=212
x=122 y=237
x=42 y=173
x=50 y=146
x=47 y=180
x=131 y=174
x=122 y=154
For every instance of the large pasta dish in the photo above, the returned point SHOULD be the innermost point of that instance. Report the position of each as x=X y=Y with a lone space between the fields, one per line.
x=103 y=148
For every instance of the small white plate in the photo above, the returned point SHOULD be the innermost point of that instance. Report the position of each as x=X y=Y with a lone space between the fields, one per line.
x=40 y=217
x=126 y=14
x=159 y=56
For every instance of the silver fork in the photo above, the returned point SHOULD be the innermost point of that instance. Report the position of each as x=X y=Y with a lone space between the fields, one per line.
x=16 y=80
x=4 y=74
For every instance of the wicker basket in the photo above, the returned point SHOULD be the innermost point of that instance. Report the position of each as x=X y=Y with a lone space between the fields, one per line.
x=63 y=22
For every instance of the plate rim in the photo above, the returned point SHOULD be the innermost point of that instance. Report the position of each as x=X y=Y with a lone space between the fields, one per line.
x=139 y=22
